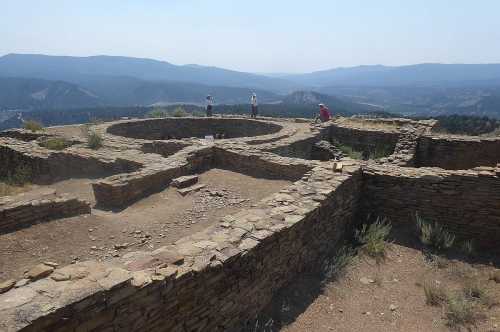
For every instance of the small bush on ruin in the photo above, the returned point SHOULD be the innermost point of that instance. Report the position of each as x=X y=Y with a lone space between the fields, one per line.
x=179 y=112
x=373 y=238
x=19 y=176
x=460 y=311
x=350 y=152
x=57 y=143
x=435 y=294
x=32 y=125
x=157 y=113
x=94 y=140
x=381 y=151
x=433 y=234
x=335 y=267
x=468 y=248
x=7 y=189
x=475 y=290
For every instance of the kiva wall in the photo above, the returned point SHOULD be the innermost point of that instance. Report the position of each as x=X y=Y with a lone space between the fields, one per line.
x=16 y=213
x=176 y=128
x=364 y=140
x=466 y=202
x=457 y=153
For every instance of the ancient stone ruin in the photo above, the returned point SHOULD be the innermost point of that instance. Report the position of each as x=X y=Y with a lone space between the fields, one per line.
x=203 y=273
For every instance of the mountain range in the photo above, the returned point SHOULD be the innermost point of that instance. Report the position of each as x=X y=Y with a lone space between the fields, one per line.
x=31 y=81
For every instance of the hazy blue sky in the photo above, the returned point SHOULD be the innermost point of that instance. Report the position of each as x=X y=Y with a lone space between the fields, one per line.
x=258 y=35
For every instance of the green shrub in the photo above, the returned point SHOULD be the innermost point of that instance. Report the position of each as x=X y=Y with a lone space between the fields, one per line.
x=157 y=112
x=18 y=176
x=468 y=248
x=336 y=266
x=373 y=238
x=434 y=293
x=58 y=143
x=350 y=152
x=433 y=234
x=460 y=311
x=473 y=289
x=94 y=140
x=32 y=125
x=7 y=189
x=179 y=112
x=381 y=151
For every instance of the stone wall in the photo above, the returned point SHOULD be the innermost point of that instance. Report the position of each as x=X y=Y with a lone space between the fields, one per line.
x=367 y=140
x=17 y=212
x=210 y=281
x=164 y=148
x=46 y=166
x=457 y=152
x=119 y=191
x=176 y=128
x=261 y=165
x=466 y=202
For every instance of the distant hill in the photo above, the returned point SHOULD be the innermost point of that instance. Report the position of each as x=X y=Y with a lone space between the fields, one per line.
x=21 y=93
x=433 y=74
x=336 y=104
x=416 y=90
x=32 y=93
x=477 y=100
x=78 y=70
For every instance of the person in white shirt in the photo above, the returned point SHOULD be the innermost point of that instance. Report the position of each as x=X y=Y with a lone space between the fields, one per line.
x=253 y=101
x=210 y=105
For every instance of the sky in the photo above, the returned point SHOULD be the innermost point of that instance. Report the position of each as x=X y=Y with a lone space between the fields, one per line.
x=262 y=36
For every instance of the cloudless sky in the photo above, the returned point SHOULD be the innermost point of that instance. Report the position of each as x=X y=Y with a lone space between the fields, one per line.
x=258 y=35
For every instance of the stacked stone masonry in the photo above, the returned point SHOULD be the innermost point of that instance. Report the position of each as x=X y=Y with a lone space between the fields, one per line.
x=223 y=276
x=18 y=211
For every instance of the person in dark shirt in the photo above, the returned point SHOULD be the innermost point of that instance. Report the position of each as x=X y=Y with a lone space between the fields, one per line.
x=210 y=105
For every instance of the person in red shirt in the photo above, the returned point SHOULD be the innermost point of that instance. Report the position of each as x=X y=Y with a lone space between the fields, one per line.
x=324 y=113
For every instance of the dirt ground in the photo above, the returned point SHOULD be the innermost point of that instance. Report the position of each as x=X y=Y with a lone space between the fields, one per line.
x=155 y=221
x=381 y=298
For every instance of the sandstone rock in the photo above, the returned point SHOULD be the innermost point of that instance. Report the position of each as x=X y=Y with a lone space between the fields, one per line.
x=185 y=181
x=188 y=190
x=366 y=281
x=6 y=285
x=496 y=276
x=60 y=276
x=51 y=264
x=337 y=167
x=39 y=271
x=21 y=283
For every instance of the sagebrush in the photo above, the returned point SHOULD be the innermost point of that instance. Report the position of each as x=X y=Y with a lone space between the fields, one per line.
x=94 y=140
x=335 y=267
x=433 y=234
x=32 y=125
x=56 y=143
x=372 y=237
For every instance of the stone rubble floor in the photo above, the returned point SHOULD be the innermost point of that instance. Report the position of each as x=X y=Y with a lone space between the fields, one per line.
x=152 y=222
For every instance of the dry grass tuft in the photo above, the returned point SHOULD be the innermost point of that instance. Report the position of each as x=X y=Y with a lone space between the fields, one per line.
x=435 y=294
x=373 y=238
x=57 y=143
x=94 y=140
x=32 y=125
x=461 y=311
x=434 y=235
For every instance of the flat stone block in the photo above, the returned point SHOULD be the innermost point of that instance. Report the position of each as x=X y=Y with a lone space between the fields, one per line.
x=185 y=181
x=188 y=190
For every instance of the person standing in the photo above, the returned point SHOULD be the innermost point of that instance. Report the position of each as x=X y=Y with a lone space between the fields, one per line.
x=253 y=101
x=210 y=105
x=324 y=114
